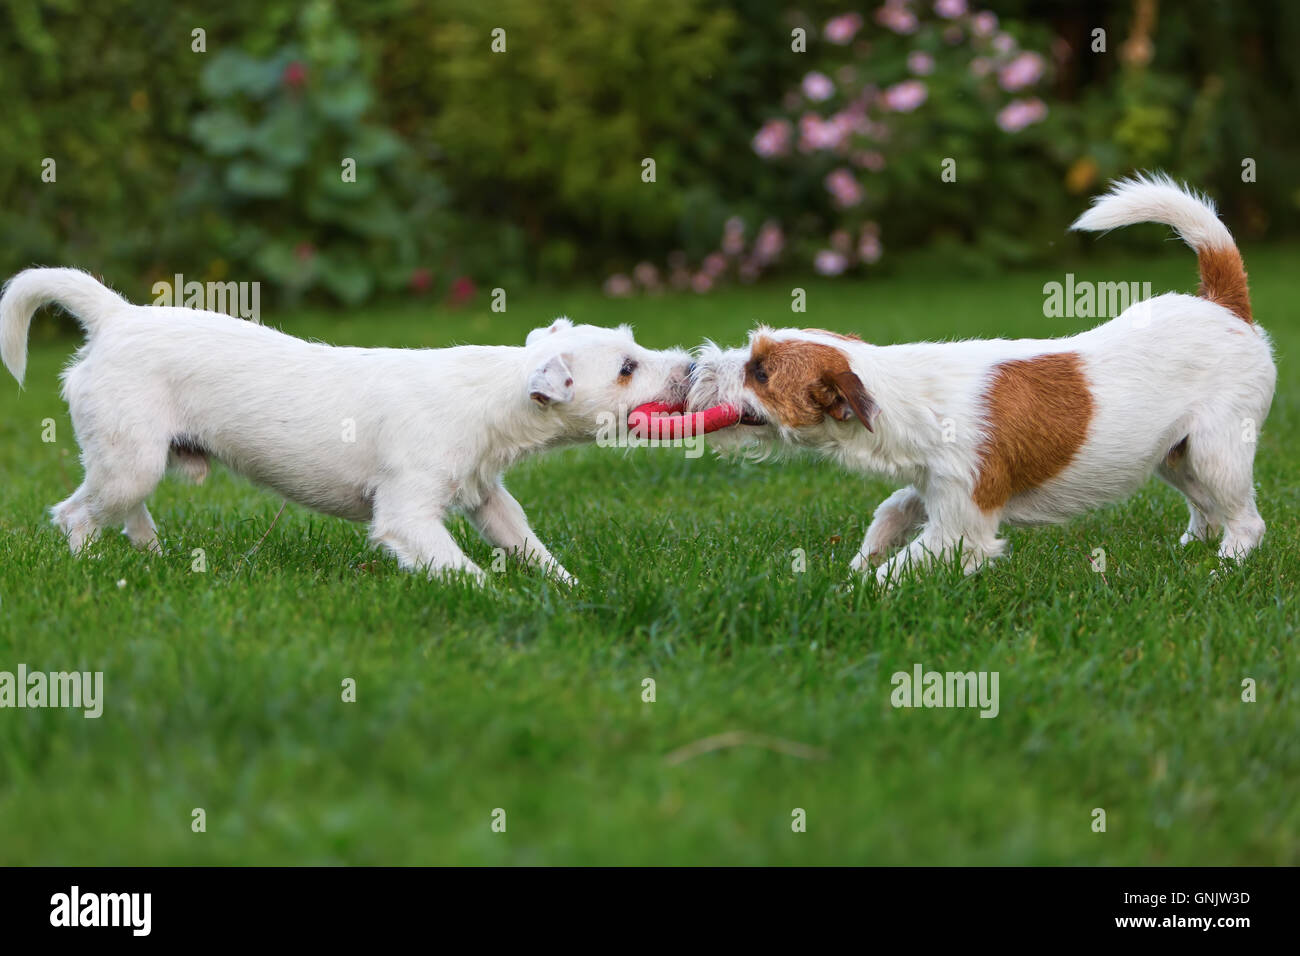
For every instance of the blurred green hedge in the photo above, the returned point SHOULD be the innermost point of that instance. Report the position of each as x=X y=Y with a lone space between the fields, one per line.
x=526 y=165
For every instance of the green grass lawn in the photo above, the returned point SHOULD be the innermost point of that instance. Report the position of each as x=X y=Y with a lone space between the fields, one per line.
x=222 y=688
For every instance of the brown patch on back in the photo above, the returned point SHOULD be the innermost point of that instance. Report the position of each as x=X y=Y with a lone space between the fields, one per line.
x=805 y=382
x=837 y=335
x=1223 y=280
x=1038 y=412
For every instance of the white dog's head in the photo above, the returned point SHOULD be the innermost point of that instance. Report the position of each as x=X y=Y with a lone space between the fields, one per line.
x=790 y=385
x=584 y=373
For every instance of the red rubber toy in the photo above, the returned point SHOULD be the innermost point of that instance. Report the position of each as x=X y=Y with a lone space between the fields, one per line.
x=661 y=422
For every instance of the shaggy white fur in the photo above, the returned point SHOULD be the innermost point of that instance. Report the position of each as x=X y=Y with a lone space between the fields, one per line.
x=1177 y=385
x=395 y=437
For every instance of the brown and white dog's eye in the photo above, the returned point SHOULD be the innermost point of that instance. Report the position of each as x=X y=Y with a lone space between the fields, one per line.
x=760 y=373
x=629 y=366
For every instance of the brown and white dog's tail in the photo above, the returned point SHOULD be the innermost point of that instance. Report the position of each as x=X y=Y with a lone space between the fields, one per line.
x=1157 y=198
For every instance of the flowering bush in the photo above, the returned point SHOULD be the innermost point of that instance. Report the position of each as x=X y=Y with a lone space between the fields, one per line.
x=890 y=105
x=864 y=139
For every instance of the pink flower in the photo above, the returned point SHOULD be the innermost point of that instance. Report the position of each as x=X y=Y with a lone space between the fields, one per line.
x=906 y=96
x=646 y=274
x=1025 y=69
x=733 y=236
x=920 y=63
x=830 y=263
x=715 y=263
x=984 y=23
x=461 y=291
x=421 y=280
x=848 y=121
x=818 y=87
x=878 y=131
x=869 y=247
x=981 y=67
x=1018 y=114
x=952 y=35
x=844 y=189
x=950 y=9
x=1004 y=43
x=895 y=16
x=815 y=133
x=841 y=30
x=295 y=75
x=769 y=242
x=618 y=286
x=701 y=283
x=871 y=159
x=749 y=270
x=774 y=138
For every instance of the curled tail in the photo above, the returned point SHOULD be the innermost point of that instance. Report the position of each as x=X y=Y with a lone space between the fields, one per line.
x=80 y=293
x=1157 y=198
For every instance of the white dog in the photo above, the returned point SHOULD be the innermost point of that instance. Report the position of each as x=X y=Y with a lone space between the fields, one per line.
x=1029 y=431
x=396 y=437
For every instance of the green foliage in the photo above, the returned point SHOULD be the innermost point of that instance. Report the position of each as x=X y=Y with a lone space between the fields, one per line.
x=527 y=164
x=551 y=133
x=322 y=194
x=929 y=132
x=111 y=114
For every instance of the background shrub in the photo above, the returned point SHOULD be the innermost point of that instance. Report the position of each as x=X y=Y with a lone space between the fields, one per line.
x=526 y=165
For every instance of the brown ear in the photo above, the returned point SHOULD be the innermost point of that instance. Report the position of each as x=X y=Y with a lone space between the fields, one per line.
x=851 y=398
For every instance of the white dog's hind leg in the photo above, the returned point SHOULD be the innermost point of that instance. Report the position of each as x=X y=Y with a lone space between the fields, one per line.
x=141 y=531
x=121 y=472
x=898 y=516
x=411 y=529
x=72 y=517
x=501 y=520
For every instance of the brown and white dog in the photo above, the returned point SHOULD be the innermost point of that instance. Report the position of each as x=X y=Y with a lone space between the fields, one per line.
x=1028 y=431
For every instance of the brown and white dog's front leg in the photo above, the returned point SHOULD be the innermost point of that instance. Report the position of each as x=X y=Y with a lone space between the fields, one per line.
x=955 y=525
x=502 y=522
x=897 y=518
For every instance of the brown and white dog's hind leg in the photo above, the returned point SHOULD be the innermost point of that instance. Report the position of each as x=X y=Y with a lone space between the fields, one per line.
x=1223 y=463
x=1177 y=472
x=898 y=517
x=955 y=525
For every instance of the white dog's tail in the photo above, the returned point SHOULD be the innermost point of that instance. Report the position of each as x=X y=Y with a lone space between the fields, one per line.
x=80 y=293
x=1157 y=198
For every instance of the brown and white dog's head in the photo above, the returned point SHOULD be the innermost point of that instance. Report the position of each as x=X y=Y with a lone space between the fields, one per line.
x=794 y=385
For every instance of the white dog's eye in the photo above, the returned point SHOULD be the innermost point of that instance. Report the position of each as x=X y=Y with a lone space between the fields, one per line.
x=629 y=366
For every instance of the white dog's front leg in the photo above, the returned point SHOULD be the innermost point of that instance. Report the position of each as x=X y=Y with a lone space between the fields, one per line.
x=897 y=517
x=412 y=530
x=501 y=520
x=956 y=525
